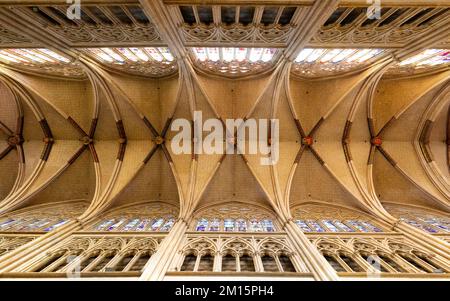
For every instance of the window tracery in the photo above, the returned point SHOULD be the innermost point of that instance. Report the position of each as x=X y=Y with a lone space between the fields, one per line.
x=144 y=61
x=237 y=254
x=11 y=242
x=427 y=60
x=426 y=220
x=138 y=218
x=99 y=24
x=383 y=255
x=41 y=60
x=41 y=218
x=318 y=218
x=238 y=25
x=316 y=62
x=99 y=254
x=234 y=218
x=396 y=26
x=234 y=62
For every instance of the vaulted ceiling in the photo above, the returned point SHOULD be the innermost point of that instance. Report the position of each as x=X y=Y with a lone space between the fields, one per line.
x=87 y=104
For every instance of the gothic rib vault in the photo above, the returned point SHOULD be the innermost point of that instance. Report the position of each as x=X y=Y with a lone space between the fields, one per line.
x=88 y=179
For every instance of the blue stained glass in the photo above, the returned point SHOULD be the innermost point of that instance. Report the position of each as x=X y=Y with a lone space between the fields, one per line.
x=23 y=225
x=436 y=222
x=228 y=225
x=241 y=225
x=267 y=225
x=429 y=229
x=329 y=224
x=255 y=226
x=343 y=226
x=419 y=225
x=116 y=225
x=131 y=225
x=41 y=224
x=31 y=225
x=16 y=225
x=58 y=224
x=168 y=225
x=371 y=227
x=214 y=225
x=143 y=225
x=7 y=223
x=315 y=226
x=357 y=225
x=104 y=224
x=202 y=224
x=303 y=226
x=156 y=224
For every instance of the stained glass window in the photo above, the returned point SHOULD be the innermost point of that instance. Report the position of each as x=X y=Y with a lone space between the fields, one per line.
x=37 y=224
x=371 y=227
x=103 y=225
x=420 y=225
x=165 y=53
x=302 y=224
x=156 y=224
x=202 y=225
x=114 y=55
x=343 y=226
x=228 y=225
x=167 y=225
x=213 y=54
x=315 y=54
x=255 y=226
x=22 y=225
x=357 y=225
x=268 y=225
x=241 y=225
x=132 y=54
x=214 y=225
x=7 y=223
x=116 y=225
x=428 y=57
x=131 y=225
x=228 y=54
x=315 y=226
x=127 y=53
x=58 y=224
x=329 y=224
x=143 y=225
x=255 y=54
x=241 y=54
x=139 y=53
x=336 y=55
x=32 y=55
x=436 y=222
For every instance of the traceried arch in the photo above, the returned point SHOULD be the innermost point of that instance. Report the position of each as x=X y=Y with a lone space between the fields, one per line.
x=86 y=254
x=199 y=255
x=234 y=62
x=156 y=216
x=427 y=220
x=276 y=256
x=11 y=242
x=234 y=217
x=226 y=253
x=317 y=217
x=384 y=255
x=42 y=218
